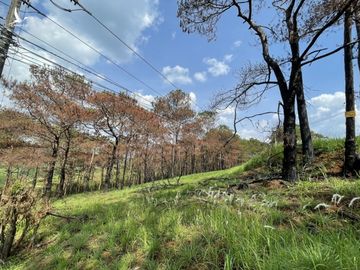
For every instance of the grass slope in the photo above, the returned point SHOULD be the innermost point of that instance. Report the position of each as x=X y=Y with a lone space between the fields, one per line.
x=196 y=226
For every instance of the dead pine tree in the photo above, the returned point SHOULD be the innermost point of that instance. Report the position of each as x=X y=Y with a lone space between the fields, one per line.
x=350 y=139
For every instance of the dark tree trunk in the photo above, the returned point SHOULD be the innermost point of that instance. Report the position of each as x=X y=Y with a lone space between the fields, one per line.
x=125 y=167
x=193 y=159
x=162 y=162
x=9 y=235
x=146 y=173
x=35 y=177
x=51 y=170
x=289 y=161
x=109 y=169
x=117 y=174
x=60 y=189
x=296 y=84
x=350 y=144
x=307 y=144
x=8 y=176
x=102 y=177
x=357 y=24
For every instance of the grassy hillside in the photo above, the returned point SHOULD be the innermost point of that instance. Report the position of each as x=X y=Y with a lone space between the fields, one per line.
x=202 y=224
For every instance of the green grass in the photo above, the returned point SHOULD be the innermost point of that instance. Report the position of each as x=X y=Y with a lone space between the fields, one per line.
x=161 y=226
x=2 y=176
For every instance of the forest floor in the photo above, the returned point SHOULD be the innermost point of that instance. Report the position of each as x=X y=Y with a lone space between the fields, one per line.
x=218 y=220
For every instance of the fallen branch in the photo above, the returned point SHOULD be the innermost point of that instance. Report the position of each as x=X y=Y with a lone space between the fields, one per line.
x=344 y=213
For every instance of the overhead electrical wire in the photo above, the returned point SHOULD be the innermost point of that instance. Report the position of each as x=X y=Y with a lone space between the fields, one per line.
x=81 y=65
x=92 y=48
x=147 y=62
x=124 y=43
x=35 y=62
x=85 y=68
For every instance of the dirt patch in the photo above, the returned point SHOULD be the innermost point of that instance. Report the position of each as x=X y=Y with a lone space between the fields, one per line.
x=275 y=184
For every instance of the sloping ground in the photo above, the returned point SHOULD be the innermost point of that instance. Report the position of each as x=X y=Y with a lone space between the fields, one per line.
x=204 y=224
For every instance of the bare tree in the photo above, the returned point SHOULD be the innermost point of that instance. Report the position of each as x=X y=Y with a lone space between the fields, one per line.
x=201 y=16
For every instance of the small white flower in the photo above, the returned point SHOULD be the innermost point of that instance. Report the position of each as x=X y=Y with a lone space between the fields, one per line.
x=321 y=205
x=353 y=201
x=336 y=198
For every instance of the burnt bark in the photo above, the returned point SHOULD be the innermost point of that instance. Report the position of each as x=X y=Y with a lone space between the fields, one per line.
x=117 y=173
x=51 y=170
x=350 y=143
x=60 y=189
x=8 y=176
x=357 y=25
x=35 y=177
x=306 y=139
x=289 y=161
x=193 y=159
x=9 y=235
x=111 y=163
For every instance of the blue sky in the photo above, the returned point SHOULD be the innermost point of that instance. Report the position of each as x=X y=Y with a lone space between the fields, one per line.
x=195 y=65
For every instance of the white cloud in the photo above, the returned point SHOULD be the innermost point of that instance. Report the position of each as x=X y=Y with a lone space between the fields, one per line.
x=327 y=114
x=173 y=35
x=237 y=43
x=218 y=68
x=5 y=101
x=127 y=19
x=177 y=74
x=228 y=58
x=193 y=98
x=226 y=116
x=144 y=100
x=201 y=76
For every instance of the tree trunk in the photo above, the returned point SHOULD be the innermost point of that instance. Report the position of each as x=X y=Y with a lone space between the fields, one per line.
x=9 y=235
x=117 y=173
x=307 y=144
x=357 y=24
x=289 y=161
x=109 y=169
x=35 y=177
x=193 y=159
x=50 y=174
x=296 y=84
x=124 y=168
x=350 y=143
x=8 y=176
x=146 y=173
x=60 y=190
x=102 y=177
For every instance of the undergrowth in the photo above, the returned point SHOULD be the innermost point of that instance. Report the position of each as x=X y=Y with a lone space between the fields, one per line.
x=202 y=224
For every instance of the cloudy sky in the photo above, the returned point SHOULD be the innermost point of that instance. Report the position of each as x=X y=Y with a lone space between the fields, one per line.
x=190 y=62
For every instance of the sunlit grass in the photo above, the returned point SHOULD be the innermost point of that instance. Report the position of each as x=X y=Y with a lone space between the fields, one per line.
x=176 y=230
x=163 y=225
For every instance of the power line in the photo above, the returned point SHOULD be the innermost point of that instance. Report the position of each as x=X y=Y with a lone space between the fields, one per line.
x=86 y=69
x=124 y=43
x=147 y=62
x=92 y=81
x=92 y=47
x=35 y=62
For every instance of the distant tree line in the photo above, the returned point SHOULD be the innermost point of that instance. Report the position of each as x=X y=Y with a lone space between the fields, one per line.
x=73 y=138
